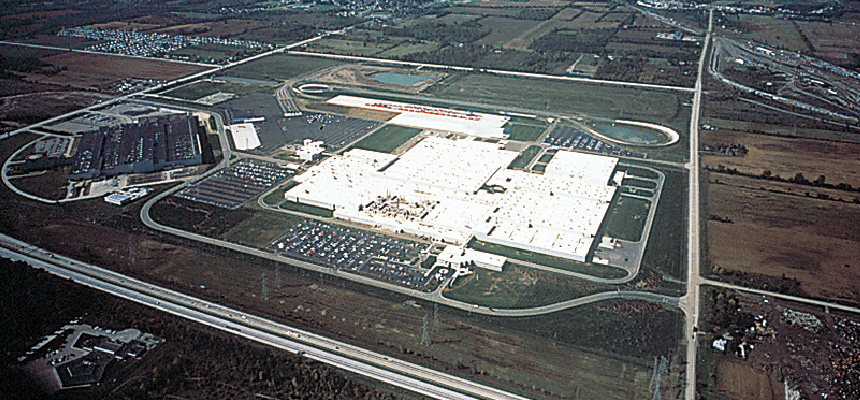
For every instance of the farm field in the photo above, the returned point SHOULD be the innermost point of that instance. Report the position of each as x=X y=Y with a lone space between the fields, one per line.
x=502 y=30
x=787 y=156
x=24 y=109
x=280 y=67
x=350 y=46
x=740 y=381
x=85 y=71
x=519 y=36
x=723 y=110
x=777 y=231
x=833 y=42
x=561 y=20
x=406 y=48
x=775 y=32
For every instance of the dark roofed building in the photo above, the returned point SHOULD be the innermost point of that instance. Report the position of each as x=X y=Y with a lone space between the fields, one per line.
x=147 y=146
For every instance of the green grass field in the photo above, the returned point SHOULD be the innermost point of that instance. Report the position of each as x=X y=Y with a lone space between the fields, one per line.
x=525 y=157
x=546 y=157
x=201 y=89
x=627 y=218
x=406 y=48
x=549 y=261
x=639 y=183
x=277 y=195
x=519 y=287
x=280 y=67
x=387 y=138
x=649 y=105
x=350 y=46
x=307 y=209
x=261 y=229
x=648 y=174
x=525 y=132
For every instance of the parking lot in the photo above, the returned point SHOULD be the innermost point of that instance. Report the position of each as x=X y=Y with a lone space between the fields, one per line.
x=333 y=130
x=573 y=138
x=347 y=249
x=277 y=130
x=234 y=186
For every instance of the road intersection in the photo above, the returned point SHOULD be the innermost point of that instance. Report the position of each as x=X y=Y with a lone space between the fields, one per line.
x=690 y=301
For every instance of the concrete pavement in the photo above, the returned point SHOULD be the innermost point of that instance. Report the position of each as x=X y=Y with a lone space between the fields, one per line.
x=690 y=301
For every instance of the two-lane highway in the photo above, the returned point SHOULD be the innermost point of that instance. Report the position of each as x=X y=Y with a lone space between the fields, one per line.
x=690 y=302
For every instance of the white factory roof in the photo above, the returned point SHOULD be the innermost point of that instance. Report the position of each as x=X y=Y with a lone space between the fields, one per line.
x=454 y=255
x=434 y=118
x=556 y=213
x=590 y=167
x=244 y=136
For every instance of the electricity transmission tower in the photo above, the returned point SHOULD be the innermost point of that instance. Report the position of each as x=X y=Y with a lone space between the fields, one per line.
x=425 y=331
x=130 y=252
x=656 y=376
x=265 y=292
x=435 y=317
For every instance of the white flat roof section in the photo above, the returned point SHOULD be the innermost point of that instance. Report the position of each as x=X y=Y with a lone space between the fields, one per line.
x=433 y=118
x=590 y=167
x=454 y=255
x=434 y=190
x=244 y=136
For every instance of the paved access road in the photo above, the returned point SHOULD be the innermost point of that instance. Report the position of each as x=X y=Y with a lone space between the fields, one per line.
x=435 y=296
x=690 y=301
x=342 y=355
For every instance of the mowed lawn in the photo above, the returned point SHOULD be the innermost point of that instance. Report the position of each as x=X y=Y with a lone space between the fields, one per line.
x=627 y=218
x=519 y=287
x=524 y=132
x=648 y=105
x=387 y=138
x=524 y=158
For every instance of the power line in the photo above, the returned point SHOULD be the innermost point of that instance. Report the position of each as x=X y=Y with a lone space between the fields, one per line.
x=659 y=370
x=425 y=331
x=265 y=292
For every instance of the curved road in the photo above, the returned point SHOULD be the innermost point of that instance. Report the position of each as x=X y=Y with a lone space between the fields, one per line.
x=435 y=296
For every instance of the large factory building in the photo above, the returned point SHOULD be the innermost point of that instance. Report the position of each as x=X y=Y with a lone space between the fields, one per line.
x=455 y=189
